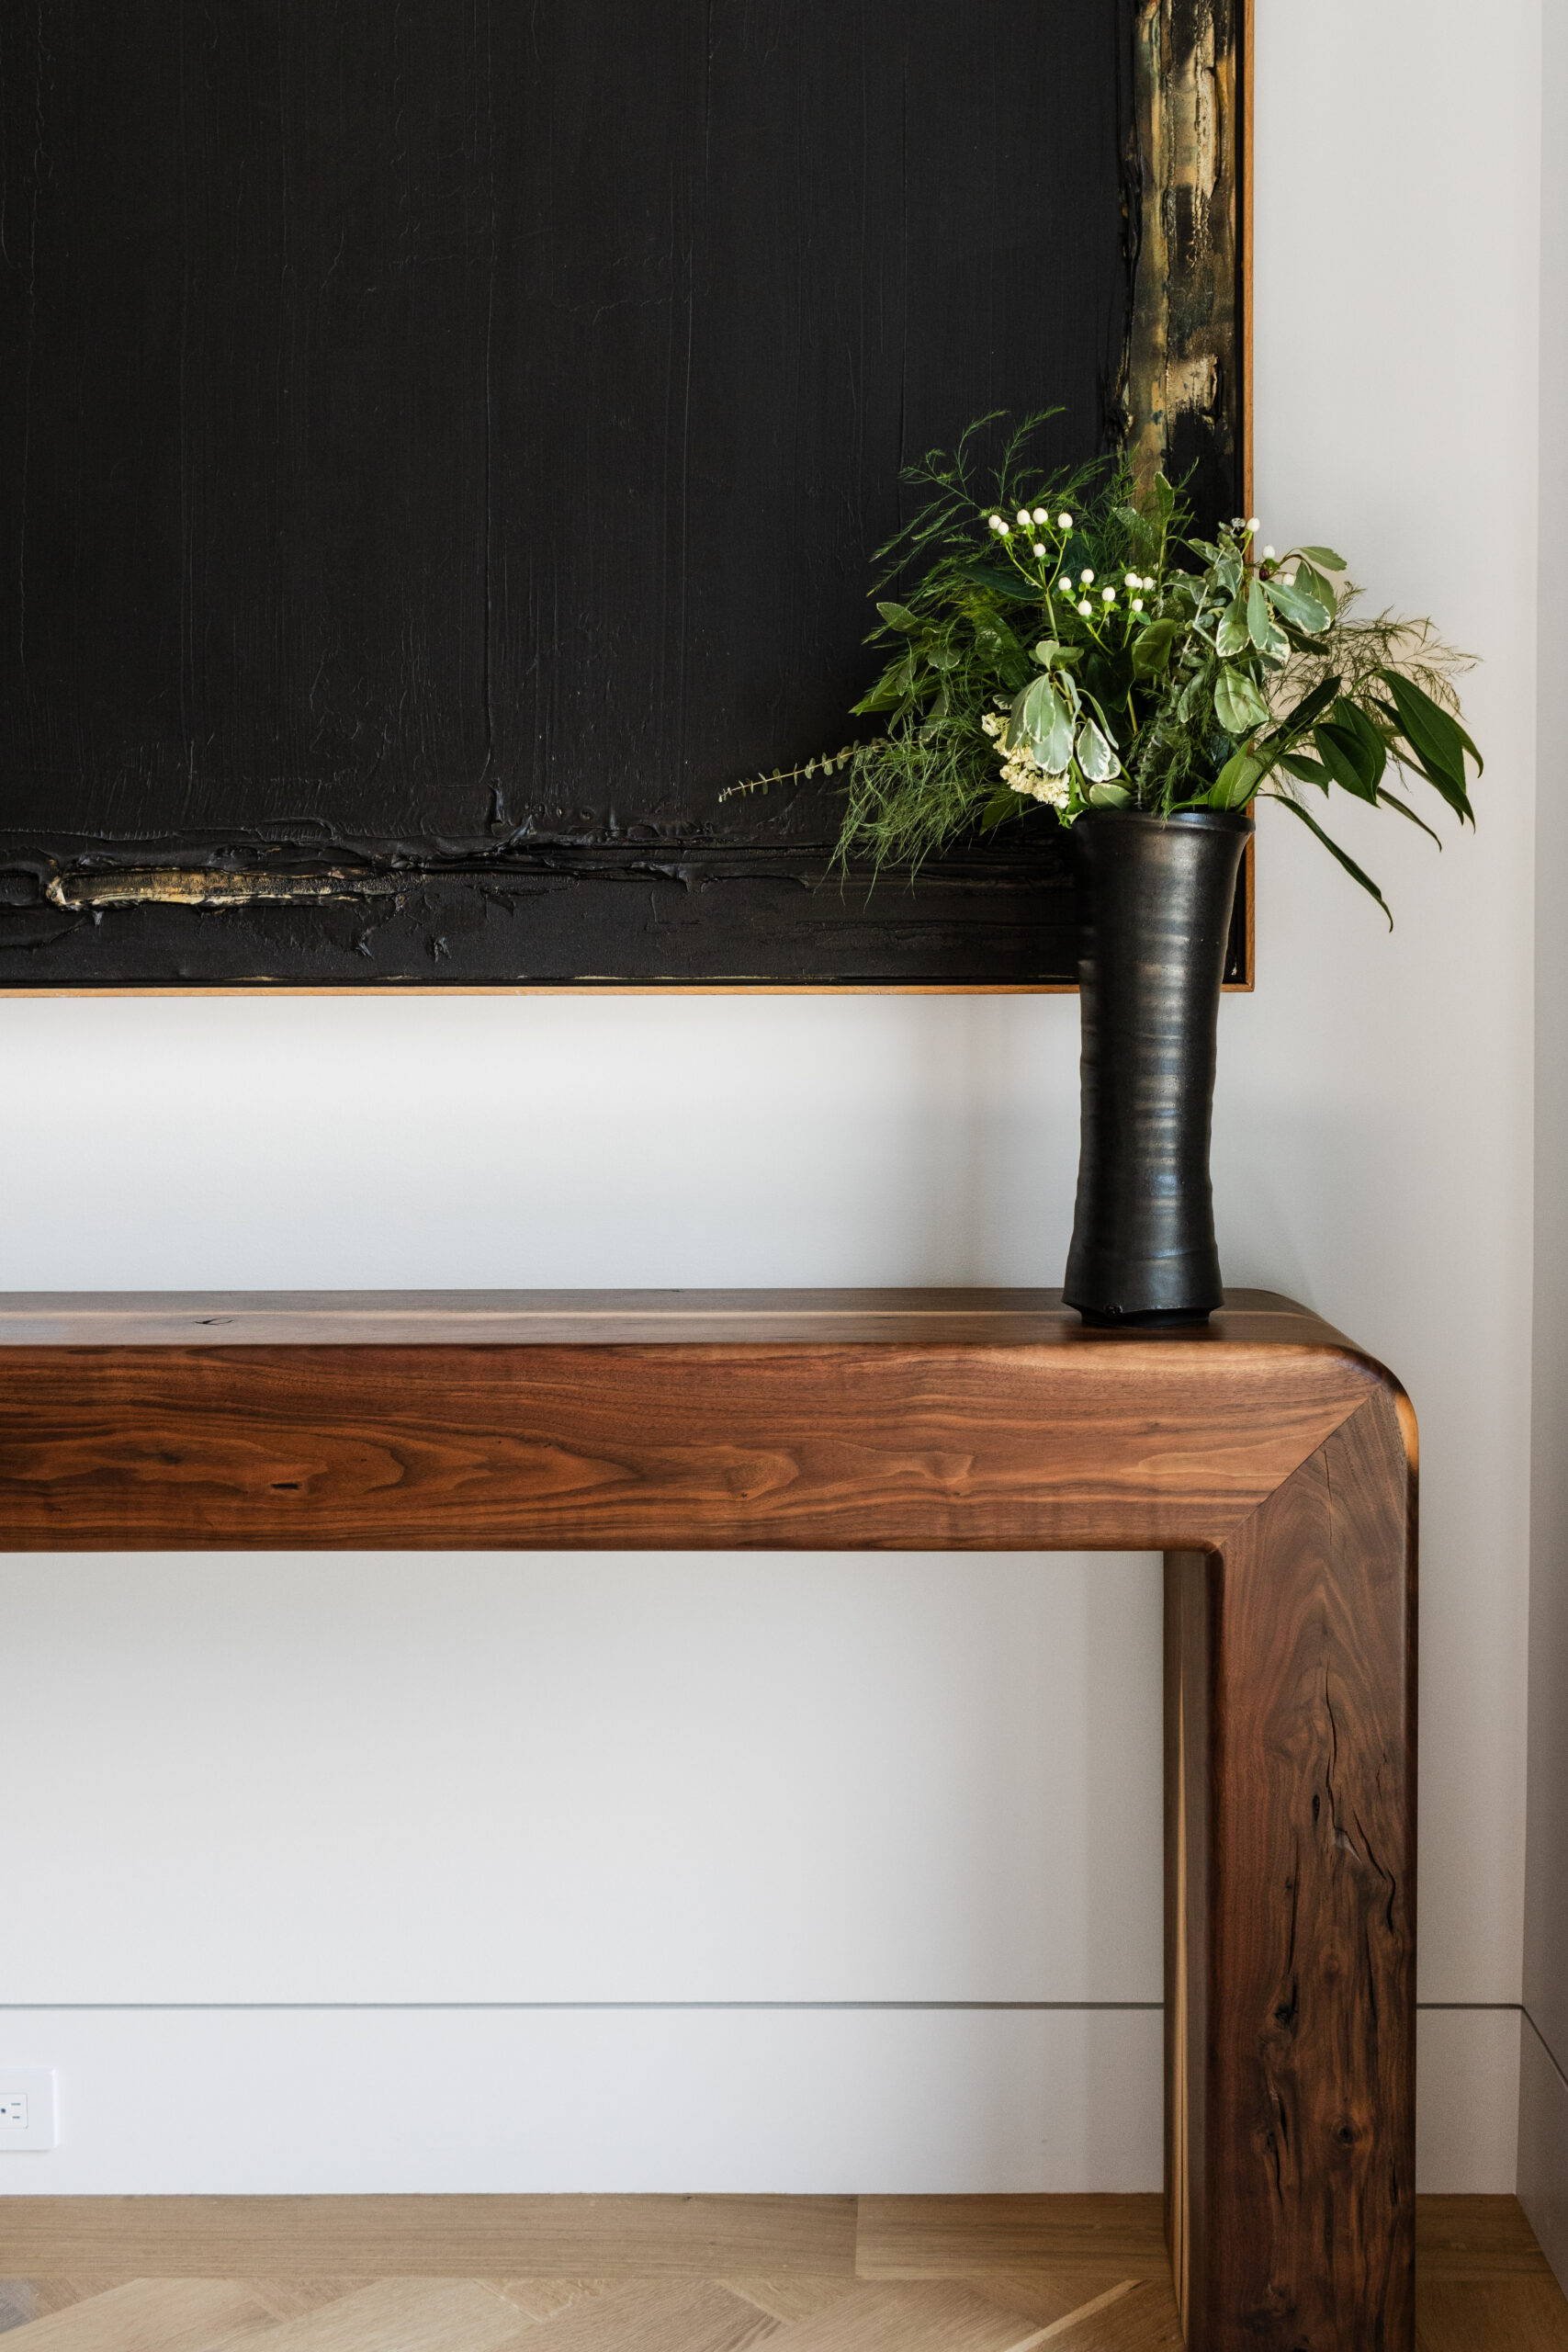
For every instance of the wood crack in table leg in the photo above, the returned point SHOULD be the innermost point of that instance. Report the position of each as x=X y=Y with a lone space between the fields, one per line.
x=1290 y=1910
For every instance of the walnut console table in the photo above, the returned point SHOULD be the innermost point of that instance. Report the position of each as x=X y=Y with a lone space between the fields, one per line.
x=1268 y=1458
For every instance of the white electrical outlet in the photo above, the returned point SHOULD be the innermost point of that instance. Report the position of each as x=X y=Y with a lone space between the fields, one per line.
x=26 y=2107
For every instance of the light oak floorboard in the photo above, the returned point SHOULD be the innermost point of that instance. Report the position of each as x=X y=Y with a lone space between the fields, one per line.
x=934 y=2315
x=25 y=2299
x=795 y=2294
x=428 y=2237
x=542 y=2298
x=401 y=2315
x=1050 y=2295
x=935 y=2237
x=1475 y=2237
x=692 y=2315
x=1477 y=2315
x=291 y=2298
x=1482 y=2286
x=151 y=2315
x=1142 y=2318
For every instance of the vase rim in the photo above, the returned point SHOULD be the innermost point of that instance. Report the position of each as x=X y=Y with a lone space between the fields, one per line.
x=1226 y=818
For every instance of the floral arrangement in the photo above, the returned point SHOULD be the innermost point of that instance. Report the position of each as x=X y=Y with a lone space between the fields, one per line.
x=1069 y=642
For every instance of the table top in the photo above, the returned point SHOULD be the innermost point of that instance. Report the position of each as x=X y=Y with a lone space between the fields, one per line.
x=600 y=1318
x=952 y=1419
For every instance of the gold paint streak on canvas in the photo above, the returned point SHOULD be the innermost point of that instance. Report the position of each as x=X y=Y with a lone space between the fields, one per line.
x=1184 y=312
x=183 y=885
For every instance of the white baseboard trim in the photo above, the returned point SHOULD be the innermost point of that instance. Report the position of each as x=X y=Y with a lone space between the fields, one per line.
x=806 y=2101
x=1543 y=2148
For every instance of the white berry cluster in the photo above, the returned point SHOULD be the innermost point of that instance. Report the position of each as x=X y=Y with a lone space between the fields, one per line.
x=1135 y=585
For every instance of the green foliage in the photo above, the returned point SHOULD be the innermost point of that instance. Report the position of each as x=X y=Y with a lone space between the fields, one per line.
x=1063 y=641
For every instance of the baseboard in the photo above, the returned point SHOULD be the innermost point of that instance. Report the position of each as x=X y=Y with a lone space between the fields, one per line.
x=1543 y=2148
x=268 y=2102
x=804 y=2102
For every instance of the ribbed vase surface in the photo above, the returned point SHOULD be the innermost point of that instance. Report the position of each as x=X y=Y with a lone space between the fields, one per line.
x=1155 y=898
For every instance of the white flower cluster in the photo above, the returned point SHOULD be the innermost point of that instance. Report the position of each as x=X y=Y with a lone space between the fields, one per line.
x=1022 y=772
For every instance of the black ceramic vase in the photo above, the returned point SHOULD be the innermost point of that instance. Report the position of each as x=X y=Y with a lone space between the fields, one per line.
x=1155 y=897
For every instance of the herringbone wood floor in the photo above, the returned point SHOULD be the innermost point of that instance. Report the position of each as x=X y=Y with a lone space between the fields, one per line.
x=970 y=2274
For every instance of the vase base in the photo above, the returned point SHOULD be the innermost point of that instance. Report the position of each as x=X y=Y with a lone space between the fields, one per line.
x=1144 y=1319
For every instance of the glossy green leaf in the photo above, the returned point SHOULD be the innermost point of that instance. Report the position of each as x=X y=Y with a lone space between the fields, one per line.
x=1373 y=752
x=886 y=695
x=1433 y=732
x=1392 y=800
x=1045 y=721
x=1237 y=781
x=1310 y=706
x=1096 y=757
x=1233 y=635
x=1351 y=868
x=898 y=617
x=1257 y=613
x=1444 y=786
x=1300 y=608
x=1011 y=584
x=1151 y=648
x=1109 y=796
x=1341 y=755
x=1305 y=771
x=1313 y=583
x=1238 y=704
x=1325 y=558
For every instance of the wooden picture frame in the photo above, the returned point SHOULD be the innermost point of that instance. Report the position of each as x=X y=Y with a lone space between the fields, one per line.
x=295 y=451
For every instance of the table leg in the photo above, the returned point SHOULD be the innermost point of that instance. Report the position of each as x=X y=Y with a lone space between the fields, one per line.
x=1290 y=1946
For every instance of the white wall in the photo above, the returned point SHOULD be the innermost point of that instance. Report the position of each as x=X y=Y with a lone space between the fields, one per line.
x=1543 y=2117
x=251 y=1783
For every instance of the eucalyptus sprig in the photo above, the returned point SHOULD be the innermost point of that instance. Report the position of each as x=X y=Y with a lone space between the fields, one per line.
x=1069 y=642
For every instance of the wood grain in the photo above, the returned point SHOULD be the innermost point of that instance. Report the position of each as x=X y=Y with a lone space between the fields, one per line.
x=1483 y=2286
x=1462 y=2316
x=1001 y=1426
x=1188 y=1713
x=227 y=2237
x=940 y=2315
x=1271 y=1460
x=154 y=2316
x=1140 y=2318
x=1476 y=2238
x=678 y=2315
x=617 y=1318
x=1299 y=1918
x=416 y=2316
x=936 y=2237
